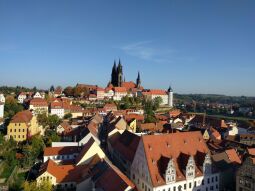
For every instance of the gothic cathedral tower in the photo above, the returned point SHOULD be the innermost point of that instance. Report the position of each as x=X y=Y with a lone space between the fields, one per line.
x=138 y=81
x=119 y=74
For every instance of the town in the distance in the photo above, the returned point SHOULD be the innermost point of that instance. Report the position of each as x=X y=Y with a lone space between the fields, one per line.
x=124 y=137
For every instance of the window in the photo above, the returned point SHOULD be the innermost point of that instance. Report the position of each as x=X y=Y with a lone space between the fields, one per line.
x=203 y=182
x=216 y=178
x=19 y=130
x=10 y=130
x=185 y=186
x=14 y=130
x=212 y=179
x=23 y=130
x=211 y=188
x=208 y=180
x=190 y=185
x=195 y=184
x=174 y=188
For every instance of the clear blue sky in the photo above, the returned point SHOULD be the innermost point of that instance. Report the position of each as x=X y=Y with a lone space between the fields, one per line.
x=196 y=46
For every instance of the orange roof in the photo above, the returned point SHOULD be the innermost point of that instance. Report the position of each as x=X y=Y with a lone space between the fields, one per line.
x=68 y=173
x=128 y=85
x=120 y=89
x=51 y=151
x=100 y=89
x=233 y=156
x=176 y=146
x=151 y=127
x=118 y=181
x=22 y=117
x=38 y=102
x=251 y=151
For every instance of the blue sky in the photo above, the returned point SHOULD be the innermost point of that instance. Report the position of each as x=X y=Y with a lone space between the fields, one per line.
x=196 y=46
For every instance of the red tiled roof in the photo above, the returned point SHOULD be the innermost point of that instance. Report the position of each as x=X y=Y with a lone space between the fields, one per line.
x=126 y=144
x=233 y=156
x=67 y=173
x=22 y=117
x=38 y=102
x=51 y=151
x=128 y=85
x=118 y=181
x=151 y=127
x=120 y=89
x=176 y=146
x=251 y=151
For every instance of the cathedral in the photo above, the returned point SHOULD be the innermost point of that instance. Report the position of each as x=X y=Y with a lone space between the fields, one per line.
x=117 y=79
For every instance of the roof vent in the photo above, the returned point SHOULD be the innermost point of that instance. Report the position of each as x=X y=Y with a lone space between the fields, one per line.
x=153 y=161
x=150 y=148
x=185 y=142
x=168 y=145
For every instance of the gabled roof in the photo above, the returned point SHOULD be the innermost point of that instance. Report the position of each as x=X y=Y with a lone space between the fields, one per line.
x=233 y=156
x=22 y=117
x=120 y=89
x=176 y=146
x=39 y=102
x=128 y=85
x=109 y=178
x=68 y=173
x=84 y=150
x=125 y=144
x=51 y=151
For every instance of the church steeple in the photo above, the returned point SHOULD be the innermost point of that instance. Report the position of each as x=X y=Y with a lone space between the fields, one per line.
x=114 y=74
x=138 y=81
x=119 y=74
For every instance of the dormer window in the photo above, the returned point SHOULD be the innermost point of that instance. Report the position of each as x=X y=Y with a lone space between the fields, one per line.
x=190 y=168
x=207 y=166
x=170 y=175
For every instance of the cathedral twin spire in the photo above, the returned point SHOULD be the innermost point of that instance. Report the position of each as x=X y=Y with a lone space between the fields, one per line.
x=117 y=75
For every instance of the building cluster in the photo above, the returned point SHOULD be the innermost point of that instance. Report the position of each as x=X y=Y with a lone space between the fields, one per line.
x=109 y=149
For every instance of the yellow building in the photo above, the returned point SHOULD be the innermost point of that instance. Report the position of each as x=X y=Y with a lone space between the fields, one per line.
x=22 y=126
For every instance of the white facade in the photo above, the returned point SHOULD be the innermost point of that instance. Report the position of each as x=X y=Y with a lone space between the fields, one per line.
x=119 y=95
x=21 y=98
x=1 y=110
x=164 y=98
x=37 y=95
x=109 y=94
x=2 y=98
x=59 y=158
x=100 y=95
x=170 y=99
x=60 y=112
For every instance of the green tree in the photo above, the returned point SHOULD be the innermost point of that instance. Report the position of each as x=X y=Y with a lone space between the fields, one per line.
x=53 y=121
x=157 y=102
x=68 y=116
x=42 y=119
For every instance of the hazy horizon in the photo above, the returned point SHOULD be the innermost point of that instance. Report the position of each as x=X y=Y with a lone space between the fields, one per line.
x=199 y=47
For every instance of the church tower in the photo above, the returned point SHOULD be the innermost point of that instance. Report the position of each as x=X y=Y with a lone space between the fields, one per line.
x=114 y=75
x=119 y=74
x=170 y=97
x=138 y=81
